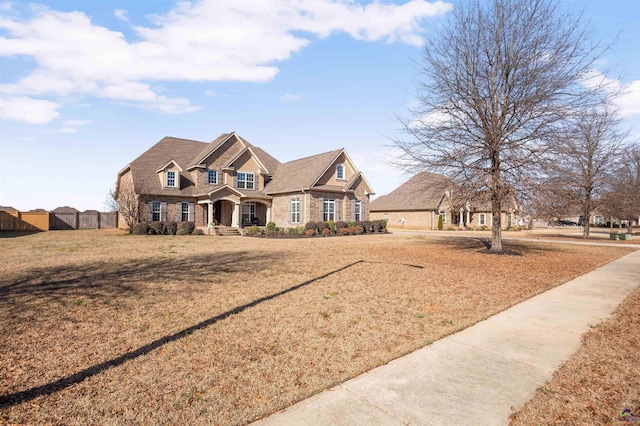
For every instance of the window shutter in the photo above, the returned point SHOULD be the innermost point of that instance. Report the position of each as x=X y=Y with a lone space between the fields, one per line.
x=217 y=177
x=192 y=212
x=290 y=210
x=178 y=212
x=321 y=208
x=338 y=216
x=353 y=210
x=150 y=212
x=235 y=181
x=206 y=176
x=163 y=211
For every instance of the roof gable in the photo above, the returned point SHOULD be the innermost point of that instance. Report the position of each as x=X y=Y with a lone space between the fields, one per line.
x=301 y=174
x=424 y=191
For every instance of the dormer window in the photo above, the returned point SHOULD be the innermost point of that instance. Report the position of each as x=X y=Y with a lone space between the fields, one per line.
x=171 y=179
x=245 y=180
x=212 y=177
x=340 y=172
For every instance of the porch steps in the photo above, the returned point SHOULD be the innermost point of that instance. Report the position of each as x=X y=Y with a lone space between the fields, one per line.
x=227 y=231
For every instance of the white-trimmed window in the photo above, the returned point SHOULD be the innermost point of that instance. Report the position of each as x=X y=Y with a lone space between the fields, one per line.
x=482 y=219
x=184 y=212
x=172 y=181
x=444 y=216
x=246 y=180
x=294 y=209
x=340 y=172
x=357 y=211
x=329 y=210
x=509 y=219
x=212 y=177
x=598 y=220
x=248 y=212
x=155 y=215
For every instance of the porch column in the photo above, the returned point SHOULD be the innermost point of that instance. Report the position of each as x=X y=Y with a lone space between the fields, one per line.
x=462 y=217
x=268 y=218
x=468 y=217
x=235 y=221
x=209 y=212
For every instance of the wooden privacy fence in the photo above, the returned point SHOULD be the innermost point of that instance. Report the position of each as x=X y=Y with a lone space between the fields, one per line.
x=90 y=219
x=24 y=221
x=44 y=221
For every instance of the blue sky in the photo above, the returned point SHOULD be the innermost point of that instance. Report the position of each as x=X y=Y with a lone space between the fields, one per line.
x=87 y=86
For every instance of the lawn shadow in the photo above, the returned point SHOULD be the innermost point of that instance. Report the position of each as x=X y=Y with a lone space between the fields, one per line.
x=17 y=234
x=65 y=382
x=483 y=245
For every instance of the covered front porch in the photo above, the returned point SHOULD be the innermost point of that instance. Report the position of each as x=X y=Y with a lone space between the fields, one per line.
x=235 y=209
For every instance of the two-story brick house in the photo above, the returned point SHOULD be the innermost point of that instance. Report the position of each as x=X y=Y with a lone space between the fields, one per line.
x=231 y=182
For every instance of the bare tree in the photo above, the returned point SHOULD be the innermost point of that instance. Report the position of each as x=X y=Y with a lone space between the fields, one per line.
x=587 y=159
x=498 y=81
x=127 y=203
x=623 y=199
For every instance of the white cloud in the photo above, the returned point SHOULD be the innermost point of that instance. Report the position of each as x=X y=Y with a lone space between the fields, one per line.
x=626 y=96
x=289 y=97
x=629 y=102
x=71 y=126
x=121 y=14
x=205 y=40
x=28 y=110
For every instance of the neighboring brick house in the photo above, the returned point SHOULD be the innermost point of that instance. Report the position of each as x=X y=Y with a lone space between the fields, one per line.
x=231 y=182
x=417 y=203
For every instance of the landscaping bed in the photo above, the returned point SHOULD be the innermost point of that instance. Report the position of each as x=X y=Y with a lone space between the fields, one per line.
x=101 y=327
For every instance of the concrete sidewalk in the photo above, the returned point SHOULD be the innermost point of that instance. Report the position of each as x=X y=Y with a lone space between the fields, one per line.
x=476 y=376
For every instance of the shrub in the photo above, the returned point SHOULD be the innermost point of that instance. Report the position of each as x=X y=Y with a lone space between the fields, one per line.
x=170 y=228
x=186 y=228
x=340 y=224
x=344 y=231
x=326 y=232
x=376 y=225
x=198 y=232
x=351 y=230
x=310 y=232
x=451 y=228
x=253 y=230
x=440 y=224
x=359 y=230
x=367 y=225
x=384 y=230
x=383 y=223
x=270 y=233
x=332 y=226
x=141 y=228
x=351 y=224
x=271 y=226
x=156 y=228
x=293 y=232
x=322 y=226
x=311 y=226
x=300 y=229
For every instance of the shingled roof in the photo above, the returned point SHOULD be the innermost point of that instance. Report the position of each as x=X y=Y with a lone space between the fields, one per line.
x=143 y=168
x=424 y=191
x=301 y=174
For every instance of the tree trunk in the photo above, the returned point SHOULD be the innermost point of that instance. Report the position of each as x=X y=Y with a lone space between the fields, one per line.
x=496 y=229
x=586 y=214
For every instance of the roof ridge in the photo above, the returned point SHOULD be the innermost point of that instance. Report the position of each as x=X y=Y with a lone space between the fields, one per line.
x=315 y=155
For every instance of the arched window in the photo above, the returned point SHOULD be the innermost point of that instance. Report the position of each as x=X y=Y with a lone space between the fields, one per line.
x=340 y=172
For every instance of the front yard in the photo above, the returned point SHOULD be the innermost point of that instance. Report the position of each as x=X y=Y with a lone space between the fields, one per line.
x=100 y=327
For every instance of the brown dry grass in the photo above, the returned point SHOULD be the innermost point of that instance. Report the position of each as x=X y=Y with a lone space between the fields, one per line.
x=100 y=327
x=599 y=381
